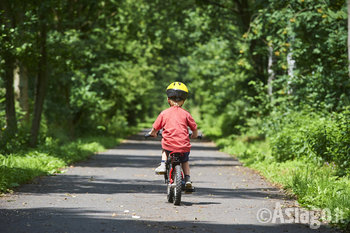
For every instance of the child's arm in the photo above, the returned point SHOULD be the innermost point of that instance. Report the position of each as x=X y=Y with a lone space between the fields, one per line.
x=153 y=132
x=194 y=133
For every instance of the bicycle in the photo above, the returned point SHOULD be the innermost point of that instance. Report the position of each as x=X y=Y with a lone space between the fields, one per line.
x=174 y=177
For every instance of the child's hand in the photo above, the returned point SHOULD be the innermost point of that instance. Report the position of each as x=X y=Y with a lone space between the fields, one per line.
x=194 y=134
x=153 y=133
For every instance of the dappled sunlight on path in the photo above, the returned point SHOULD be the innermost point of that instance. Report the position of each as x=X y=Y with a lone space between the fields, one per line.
x=117 y=191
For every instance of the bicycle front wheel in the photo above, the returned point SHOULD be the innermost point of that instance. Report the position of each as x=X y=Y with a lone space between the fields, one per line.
x=170 y=189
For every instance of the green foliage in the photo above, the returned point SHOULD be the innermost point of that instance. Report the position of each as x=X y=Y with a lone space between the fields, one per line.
x=217 y=88
x=110 y=61
x=109 y=73
x=320 y=188
x=313 y=34
x=319 y=137
x=288 y=139
x=331 y=141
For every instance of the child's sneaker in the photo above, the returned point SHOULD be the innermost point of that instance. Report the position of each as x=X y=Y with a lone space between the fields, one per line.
x=188 y=183
x=161 y=169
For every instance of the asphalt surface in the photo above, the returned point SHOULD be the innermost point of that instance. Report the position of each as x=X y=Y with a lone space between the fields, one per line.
x=117 y=191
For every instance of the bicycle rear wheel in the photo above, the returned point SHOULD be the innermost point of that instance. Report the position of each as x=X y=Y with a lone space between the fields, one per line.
x=178 y=185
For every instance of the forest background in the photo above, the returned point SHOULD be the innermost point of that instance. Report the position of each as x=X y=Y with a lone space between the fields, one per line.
x=268 y=81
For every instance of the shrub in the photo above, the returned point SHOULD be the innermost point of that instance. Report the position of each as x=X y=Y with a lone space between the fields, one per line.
x=288 y=138
x=331 y=141
x=322 y=137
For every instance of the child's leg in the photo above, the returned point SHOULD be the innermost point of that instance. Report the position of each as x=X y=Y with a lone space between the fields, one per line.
x=186 y=168
x=164 y=156
x=161 y=169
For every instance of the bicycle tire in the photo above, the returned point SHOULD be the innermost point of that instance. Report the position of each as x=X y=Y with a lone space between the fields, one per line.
x=178 y=185
x=170 y=190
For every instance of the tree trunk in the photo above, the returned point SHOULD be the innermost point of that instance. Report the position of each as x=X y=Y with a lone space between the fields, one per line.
x=291 y=64
x=23 y=90
x=270 y=73
x=11 y=122
x=245 y=13
x=8 y=20
x=16 y=78
x=41 y=84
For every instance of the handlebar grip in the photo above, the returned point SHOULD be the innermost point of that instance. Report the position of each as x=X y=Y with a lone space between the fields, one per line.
x=198 y=137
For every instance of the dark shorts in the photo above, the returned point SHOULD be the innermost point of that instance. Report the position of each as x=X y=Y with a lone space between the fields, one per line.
x=183 y=158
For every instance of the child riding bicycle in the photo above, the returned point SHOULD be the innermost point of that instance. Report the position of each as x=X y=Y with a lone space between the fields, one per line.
x=175 y=122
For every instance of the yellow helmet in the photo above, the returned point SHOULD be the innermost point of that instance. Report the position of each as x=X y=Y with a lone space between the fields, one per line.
x=177 y=91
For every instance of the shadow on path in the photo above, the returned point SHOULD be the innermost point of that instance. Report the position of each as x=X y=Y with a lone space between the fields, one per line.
x=95 y=185
x=87 y=220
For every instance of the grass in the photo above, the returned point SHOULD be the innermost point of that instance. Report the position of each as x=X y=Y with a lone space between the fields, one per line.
x=314 y=186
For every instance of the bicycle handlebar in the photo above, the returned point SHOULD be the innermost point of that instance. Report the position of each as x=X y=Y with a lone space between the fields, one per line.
x=147 y=135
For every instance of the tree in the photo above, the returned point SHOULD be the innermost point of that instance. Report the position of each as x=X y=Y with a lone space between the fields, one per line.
x=42 y=78
x=9 y=24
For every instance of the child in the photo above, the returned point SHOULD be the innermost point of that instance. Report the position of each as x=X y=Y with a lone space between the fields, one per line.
x=175 y=122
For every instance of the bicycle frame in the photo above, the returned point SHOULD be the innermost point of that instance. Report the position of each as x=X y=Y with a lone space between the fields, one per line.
x=173 y=160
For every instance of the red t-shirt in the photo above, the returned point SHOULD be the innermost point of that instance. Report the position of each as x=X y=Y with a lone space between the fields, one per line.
x=175 y=122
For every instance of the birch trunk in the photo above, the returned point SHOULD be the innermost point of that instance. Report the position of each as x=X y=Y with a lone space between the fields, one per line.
x=291 y=65
x=16 y=78
x=271 y=73
x=23 y=88
x=20 y=75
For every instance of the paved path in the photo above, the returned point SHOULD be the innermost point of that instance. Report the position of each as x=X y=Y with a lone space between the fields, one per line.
x=117 y=191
